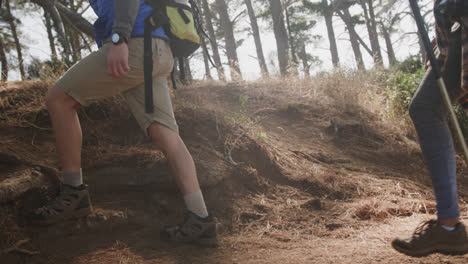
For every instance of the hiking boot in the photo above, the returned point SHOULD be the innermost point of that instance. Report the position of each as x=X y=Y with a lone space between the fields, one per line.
x=194 y=229
x=430 y=237
x=72 y=202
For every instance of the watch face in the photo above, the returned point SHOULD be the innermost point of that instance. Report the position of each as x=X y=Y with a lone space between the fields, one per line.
x=115 y=38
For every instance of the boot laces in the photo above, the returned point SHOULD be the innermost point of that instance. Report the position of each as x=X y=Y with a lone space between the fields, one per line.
x=423 y=228
x=48 y=209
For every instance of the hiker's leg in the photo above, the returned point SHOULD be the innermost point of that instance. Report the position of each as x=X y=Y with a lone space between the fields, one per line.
x=163 y=130
x=445 y=235
x=62 y=110
x=429 y=116
x=198 y=226
x=161 y=126
x=81 y=84
x=177 y=155
x=85 y=82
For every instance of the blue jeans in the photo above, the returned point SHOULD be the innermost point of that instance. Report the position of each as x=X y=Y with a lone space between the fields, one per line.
x=429 y=115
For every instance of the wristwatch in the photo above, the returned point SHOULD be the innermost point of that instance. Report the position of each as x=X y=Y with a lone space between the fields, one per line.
x=117 y=38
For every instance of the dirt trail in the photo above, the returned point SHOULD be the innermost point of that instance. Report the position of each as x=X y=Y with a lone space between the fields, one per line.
x=290 y=178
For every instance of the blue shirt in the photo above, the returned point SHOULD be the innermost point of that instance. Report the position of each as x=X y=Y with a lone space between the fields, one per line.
x=104 y=9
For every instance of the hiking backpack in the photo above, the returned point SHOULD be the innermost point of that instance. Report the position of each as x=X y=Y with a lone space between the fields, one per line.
x=180 y=20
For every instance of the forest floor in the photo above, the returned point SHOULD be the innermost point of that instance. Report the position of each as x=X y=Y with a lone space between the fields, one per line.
x=294 y=172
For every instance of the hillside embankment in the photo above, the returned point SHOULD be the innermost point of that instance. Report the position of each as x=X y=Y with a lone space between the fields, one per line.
x=295 y=171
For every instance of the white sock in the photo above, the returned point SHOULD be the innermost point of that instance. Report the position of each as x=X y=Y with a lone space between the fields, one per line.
x=448 y=228
x=73 y=178
x=195 y=203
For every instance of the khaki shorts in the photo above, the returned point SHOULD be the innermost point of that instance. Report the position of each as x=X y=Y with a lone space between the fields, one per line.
x=88 y=81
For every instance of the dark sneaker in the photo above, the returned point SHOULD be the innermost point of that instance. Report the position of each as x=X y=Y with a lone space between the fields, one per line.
x=72 y=202
x=429 y=237
x=194 y=229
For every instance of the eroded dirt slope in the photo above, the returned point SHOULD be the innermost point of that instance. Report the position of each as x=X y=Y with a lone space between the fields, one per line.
x=295 y=172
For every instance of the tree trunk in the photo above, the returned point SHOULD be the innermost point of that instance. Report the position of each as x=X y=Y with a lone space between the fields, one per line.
x=75 y=19
x=50 y=35
x=51 y=7
x=328 y=14
x=4 y=62
x=305 y=61
x=213 y=42
x=290 y=37
x=14 y=33
x=388 y=42
x=72 y=42
x=74 y=37
x=258 y=42
x=353 y=37
x=227 y=26
x=374 y=24
x=72 y=17
x=205 y=58
x=422 y=51
x=372 y=30
x=281 y=36
x=364 y=45
x=177 y=74
x=188 y=70
x=293 y=66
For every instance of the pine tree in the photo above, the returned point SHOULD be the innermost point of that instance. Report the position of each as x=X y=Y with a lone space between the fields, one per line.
x=300 y=25
x=230 y=42
x=50 y=35
x=3 y=61
x=371 y=25
x=257 y=39
x=326 y=10
x=387 y=20
x=350 y=21
x=281 y=35
x=208 y=18
x=13 y=22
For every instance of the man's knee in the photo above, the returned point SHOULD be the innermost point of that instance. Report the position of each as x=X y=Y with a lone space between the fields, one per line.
x=163 y=137
x=57 y=99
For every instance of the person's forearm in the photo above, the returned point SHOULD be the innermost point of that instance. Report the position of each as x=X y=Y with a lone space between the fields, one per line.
x=126 y=12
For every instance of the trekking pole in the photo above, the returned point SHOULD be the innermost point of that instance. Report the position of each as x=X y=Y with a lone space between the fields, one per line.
x=438 y=76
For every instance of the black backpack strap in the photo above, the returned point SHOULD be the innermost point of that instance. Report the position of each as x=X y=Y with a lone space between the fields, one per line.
x=152 y=22
x=148 y=67
x=156 y=4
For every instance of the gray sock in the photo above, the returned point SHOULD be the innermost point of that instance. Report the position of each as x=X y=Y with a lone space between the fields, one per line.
x=195 y=203
x=73 y=178
x=448 y=228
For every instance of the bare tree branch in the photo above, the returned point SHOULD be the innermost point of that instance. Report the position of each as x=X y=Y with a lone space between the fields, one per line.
x=78 y=21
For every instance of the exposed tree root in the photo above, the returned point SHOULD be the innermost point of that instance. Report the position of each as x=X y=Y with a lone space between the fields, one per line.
x=17 y=248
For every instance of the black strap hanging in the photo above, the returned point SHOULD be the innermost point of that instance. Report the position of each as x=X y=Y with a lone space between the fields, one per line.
x=148 y=67
x=152 y=22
